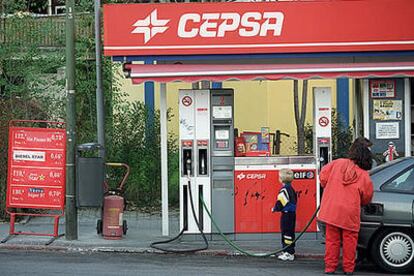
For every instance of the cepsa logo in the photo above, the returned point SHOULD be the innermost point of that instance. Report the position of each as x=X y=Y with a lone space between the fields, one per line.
x=210 y=25
x=251 y=176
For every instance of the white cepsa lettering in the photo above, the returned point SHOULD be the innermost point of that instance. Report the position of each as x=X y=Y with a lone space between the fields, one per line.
x=218 y=24
x=256 y=176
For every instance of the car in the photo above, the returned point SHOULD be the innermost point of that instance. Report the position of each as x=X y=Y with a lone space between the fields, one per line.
x=387 y=223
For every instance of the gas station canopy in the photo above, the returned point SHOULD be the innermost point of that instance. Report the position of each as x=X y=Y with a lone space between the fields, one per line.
x=251 y=41
x=140 y=73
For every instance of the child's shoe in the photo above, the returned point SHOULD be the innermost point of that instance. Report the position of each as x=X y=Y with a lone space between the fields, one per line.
x=286 y=257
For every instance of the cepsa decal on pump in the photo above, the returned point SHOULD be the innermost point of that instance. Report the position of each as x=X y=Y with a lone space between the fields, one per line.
x=249 y=176
x=249 y=24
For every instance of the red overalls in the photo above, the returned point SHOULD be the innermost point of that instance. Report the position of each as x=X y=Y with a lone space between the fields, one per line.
x=346 y=188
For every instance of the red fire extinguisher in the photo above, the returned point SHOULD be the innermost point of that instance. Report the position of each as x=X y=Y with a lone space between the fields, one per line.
x=112 y=225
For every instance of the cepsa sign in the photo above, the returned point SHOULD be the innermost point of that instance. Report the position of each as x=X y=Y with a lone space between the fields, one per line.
x=265 y=27
x=249 y=24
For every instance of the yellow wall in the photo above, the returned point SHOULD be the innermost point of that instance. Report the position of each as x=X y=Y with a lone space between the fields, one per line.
x=270 y=104
x=257 y=104
x=134 y=92
x=172 y=102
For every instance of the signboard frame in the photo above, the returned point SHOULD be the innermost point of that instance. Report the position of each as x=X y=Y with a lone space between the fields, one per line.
x=378 y=91
x=387 y=110
x=387 y=130
x=257 y=28
x=36 y=176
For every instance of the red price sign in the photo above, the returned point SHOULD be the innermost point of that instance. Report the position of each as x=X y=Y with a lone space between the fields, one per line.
x=36 y=175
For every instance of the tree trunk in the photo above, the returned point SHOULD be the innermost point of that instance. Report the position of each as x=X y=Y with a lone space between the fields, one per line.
x=300 y=114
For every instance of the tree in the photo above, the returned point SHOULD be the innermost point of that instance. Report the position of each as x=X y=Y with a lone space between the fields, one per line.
x=31 y=89
x=32 y=6
x=300 y=114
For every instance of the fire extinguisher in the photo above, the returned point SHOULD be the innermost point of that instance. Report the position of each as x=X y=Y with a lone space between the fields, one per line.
x=112 y=225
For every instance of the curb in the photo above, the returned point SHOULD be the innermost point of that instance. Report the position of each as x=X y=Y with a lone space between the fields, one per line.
x=136 y=250
x=32 y=247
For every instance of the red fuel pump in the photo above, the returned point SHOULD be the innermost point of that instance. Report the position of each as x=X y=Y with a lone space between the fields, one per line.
x=112 y=225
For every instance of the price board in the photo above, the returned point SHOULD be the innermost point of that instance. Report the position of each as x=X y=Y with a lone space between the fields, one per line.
x=36 y=162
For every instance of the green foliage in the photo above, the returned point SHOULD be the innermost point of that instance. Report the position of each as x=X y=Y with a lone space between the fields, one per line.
x=34 y=6
x=30 y=89
x=32 y=86
x=129 y=145
x=26 y=31
x=341 y=137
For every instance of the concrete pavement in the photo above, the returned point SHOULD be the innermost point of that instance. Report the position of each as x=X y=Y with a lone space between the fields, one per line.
x=143 y=229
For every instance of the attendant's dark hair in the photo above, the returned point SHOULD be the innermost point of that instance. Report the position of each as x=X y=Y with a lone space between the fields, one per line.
x=360 y=153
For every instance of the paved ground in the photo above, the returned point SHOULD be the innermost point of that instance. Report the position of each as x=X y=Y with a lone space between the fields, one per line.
x=57 y=263
x=143 y=229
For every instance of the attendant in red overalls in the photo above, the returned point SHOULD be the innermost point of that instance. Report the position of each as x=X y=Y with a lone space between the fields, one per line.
x=347 y=186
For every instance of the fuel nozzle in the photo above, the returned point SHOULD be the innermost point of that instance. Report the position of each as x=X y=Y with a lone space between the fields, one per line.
x=203 y=166
x=188 y=165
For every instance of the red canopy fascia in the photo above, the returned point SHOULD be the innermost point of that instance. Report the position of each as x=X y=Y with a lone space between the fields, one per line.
x=140 y=73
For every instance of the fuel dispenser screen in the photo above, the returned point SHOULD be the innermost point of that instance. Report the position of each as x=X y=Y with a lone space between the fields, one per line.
x=222 y=134
x=222 y=112
x=222 y=137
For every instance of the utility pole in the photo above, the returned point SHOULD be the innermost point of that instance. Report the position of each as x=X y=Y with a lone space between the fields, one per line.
x=100 y=107
x=71 y=215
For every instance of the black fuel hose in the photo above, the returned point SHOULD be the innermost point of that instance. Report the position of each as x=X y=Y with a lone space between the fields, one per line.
x=225 y=238
x=154 y=244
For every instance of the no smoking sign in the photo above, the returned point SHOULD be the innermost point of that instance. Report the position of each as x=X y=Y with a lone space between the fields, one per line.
x=323 y=121
x=187 y=101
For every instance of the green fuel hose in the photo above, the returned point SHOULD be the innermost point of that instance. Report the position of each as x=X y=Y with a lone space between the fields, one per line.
x=238 y=248
x=225 y=238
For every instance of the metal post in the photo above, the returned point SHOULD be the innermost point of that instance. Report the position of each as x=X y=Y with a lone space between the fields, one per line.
x=49 y=7
x=407 y=117
x=164 y=159
x=100 y=108
x=365 y=108
x=149 y=104
x=71 y=216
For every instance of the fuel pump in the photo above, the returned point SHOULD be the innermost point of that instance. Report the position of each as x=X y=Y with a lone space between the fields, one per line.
x=323 y=151
x=187 y=165
x=322 y=125
x=322 y=107
x=222 y=158
x=206 y=157
x=194 y=119
x=207 y=168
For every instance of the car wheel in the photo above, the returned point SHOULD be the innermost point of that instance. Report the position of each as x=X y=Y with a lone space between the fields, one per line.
x=393 y=251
